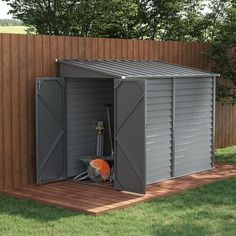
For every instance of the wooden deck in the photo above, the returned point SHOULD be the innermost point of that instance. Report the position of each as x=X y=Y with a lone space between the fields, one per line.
x=96 y=200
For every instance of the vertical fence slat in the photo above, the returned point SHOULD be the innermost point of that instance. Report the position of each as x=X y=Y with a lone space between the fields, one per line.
x=175 y=51
x=39 y=55
x=151 y=50
x=107 y=48
x=171 y=52
x=135 y=46
x=54 y=49
x=31 y=103
x=197 y=55
x=2 y=172
x=101 y=48
x=145 y=49
x=166 y=51
x=61 y=47
x=88 y=48
x=23 y=110
x=113 y=49
x=193 y=55
x=231 y=122
x=234 y=124
x=156 y=50
x=68 y=49
x=124 y=49
x=7 y=114
x=15 y=95
x=94 y=48
x=130 y=50
x=46 y=56
x=140 y=49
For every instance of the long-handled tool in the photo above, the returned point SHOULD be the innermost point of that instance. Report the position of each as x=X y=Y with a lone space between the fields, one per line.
x=108 y=106
x=100 y=138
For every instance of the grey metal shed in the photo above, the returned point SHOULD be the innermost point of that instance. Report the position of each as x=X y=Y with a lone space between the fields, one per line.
x=163 y=119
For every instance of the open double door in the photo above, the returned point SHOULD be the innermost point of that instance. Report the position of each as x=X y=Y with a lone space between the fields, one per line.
x=129 y=133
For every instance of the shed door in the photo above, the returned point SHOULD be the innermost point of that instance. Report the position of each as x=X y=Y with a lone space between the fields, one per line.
x=50 y=140
x=130 y=174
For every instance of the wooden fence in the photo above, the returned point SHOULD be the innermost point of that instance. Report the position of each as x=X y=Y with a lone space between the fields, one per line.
x=25 y=57
x=225 y=125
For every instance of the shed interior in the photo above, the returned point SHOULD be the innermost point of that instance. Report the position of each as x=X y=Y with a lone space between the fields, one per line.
x=85 y=106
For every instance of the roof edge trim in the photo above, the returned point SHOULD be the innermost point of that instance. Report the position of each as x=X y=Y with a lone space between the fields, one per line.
x=90 y=69
x=172 y=76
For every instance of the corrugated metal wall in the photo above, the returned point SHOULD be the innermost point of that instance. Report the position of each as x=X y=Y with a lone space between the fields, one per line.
x=158 y=129
x=193 y=125
x=85 y=104
x=193 y=122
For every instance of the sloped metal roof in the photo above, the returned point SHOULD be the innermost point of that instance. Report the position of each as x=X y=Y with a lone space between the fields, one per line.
x=130 y=69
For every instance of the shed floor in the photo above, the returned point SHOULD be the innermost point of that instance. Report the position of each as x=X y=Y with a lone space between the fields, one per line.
x=96 y=200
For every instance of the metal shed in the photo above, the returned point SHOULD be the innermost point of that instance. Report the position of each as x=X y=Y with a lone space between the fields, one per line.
x=163 y=120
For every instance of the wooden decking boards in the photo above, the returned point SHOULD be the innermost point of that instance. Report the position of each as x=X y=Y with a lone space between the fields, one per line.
x=96 y=200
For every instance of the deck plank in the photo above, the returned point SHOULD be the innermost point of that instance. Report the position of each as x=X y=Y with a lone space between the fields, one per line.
x=96 y=200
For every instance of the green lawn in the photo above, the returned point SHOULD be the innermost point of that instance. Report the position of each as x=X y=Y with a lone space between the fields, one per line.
x=208 y=210
x=13 y=29
x=226 y=154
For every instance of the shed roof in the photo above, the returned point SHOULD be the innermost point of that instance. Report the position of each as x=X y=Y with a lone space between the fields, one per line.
x=130 y=69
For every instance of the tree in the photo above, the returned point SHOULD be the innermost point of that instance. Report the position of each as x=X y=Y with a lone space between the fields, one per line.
x=223 y=51
x=191 y=24
x=114 y=18
x=98 y=18
x=148 y=19
x=157 y=16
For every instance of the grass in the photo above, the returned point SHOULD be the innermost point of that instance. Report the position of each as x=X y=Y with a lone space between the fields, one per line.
x=208 y=210
x=227 y=155
x=13 y=29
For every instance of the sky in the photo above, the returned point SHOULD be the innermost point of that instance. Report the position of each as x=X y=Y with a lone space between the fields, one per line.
x=3 y=10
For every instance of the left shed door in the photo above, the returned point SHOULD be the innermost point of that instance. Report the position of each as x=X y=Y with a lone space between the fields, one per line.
x=50 y=133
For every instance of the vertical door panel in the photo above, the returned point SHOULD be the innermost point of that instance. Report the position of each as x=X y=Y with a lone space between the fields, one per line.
x=130 y=171
x=159 y=129
x=50 y=138
x=193 y=125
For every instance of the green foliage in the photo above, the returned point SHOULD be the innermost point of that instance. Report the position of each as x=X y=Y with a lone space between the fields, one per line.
x=190 y=23
x=223 y=51
x=97 y=18
x=148 y=19
x=227 y=155
x=157 y=17
x=114 y=18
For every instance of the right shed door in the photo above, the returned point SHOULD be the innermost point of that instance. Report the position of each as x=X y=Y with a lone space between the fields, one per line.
x=130 y=158
x=193 y=125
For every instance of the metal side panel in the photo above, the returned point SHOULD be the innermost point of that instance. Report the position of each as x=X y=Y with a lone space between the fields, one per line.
x=159 y=130
x=193 y=125
x=50 y=135
x=130 y=159
x=85 y=106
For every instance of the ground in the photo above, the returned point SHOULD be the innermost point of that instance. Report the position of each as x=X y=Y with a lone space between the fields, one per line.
x=208 y=210
x=13 y=29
